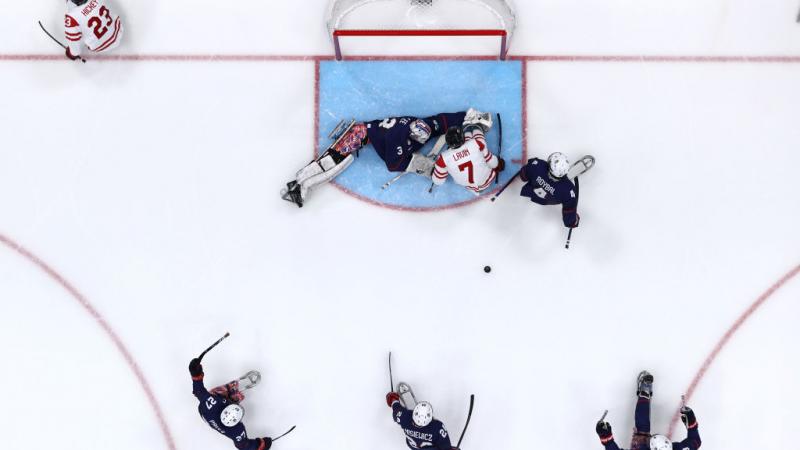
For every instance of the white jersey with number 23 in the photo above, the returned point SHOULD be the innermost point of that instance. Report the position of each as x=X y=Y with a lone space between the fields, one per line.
x=94 y=24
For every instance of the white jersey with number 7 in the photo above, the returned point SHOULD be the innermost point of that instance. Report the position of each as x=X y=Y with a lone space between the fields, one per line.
x=471 y=165
x=94 y=24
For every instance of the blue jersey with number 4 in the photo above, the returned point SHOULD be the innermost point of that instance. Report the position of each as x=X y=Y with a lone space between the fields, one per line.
x=391 y=137
x=433 y=435
x=543 y=189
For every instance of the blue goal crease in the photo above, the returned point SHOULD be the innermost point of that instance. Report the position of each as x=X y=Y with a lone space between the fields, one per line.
x=368 y=90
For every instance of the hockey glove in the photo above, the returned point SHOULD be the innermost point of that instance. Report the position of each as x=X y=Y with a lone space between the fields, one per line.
x=577 y=221
x=392 y=397
x=603 y=430
x=501 y=165
x=195 y=368
x=71 y=56
x=688 y=418
x=266 y=443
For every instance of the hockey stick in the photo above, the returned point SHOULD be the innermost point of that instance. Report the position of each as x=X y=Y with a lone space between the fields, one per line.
x=499 y=144
x=284 y=434
x=469 y=416
x=56 y=40
x=508 y=183
x=212 y=346
x=603 y=417
x=391 y=378
x=390 y=182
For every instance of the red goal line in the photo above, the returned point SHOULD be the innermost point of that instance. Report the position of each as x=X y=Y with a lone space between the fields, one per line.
x=415 y=32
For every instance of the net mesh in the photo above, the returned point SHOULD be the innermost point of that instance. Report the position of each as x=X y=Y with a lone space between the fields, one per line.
x=421 y=14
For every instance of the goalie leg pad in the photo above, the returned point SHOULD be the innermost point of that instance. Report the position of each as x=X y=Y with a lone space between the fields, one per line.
x=323 y=170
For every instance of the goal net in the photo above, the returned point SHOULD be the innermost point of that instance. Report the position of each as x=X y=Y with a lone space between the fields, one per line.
x=406 y=26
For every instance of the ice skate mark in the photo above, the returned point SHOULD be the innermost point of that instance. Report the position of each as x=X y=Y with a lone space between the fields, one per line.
x=726 y=338
x=22 y=251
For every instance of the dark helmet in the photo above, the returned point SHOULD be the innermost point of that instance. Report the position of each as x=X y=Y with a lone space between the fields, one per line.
x=454 y=137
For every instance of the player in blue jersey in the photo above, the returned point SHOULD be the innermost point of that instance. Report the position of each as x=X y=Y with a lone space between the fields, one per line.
x=642 y=439
x=547 y=183
x=421 y=429
x=397 y=140
x=220 y=408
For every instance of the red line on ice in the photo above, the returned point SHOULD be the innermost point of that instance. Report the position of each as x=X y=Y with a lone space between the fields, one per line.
x=748 y=59
x=727 y=337
x=104 y=325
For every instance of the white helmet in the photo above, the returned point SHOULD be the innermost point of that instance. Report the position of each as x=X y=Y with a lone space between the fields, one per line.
x=559 y=164
x=660 y=442
x=231 y=415
x=423 y=414
x=420 y=131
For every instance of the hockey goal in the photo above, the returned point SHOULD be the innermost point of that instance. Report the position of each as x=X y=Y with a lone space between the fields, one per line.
x=427 y=22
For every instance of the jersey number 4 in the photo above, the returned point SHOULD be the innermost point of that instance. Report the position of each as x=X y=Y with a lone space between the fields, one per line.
x=468 y=166
x=97 y=24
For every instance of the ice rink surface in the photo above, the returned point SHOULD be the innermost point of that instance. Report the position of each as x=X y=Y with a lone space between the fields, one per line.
x=140 y=221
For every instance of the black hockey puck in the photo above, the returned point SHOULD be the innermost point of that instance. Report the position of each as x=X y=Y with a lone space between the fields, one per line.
x=487 y=269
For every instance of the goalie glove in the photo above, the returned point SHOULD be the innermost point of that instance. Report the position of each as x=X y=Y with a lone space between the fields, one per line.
x=421 y=165
x=481 y=119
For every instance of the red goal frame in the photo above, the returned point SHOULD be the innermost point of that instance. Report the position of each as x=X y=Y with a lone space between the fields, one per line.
x=503 y=34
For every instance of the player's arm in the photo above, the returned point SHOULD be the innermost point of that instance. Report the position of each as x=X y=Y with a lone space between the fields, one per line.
x=198 y=388
x=569 y=209
x=442 y=439
x=439 y=175
x=528 y=171
x=442 y=121
x=254 y=444
x=692 y=440
x=398 y=411
x=476 y=133
x=74 y=35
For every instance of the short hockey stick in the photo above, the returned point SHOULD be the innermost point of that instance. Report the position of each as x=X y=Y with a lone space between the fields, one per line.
x=499 y=143
x=212 y=346
x=391 y=378
x=56 y=40
x=508 y=183
x=390 y=182
x=469 y=416
x=603 y=417
x=284 y=434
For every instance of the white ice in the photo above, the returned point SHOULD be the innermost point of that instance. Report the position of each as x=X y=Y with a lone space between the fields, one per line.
x=164 y=214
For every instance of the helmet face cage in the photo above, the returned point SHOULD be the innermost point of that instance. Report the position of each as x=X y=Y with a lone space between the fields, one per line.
x=231 y=415
x=423 y=414
x=420 y=131
x=559 y=164
x=660 y=442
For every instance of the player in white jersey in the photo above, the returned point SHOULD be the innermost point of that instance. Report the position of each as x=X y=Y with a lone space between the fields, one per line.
x=468 y=159
x=91 y=22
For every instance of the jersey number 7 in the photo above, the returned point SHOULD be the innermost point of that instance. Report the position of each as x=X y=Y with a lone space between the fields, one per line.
x=467 y=165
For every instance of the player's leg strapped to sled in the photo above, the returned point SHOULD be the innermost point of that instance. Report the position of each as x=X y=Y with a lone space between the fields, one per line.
x=336 y=159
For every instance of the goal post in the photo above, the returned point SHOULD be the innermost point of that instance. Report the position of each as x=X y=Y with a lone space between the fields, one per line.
x=421 y=18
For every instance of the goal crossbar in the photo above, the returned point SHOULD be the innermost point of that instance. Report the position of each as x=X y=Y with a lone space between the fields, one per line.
x=503 y=34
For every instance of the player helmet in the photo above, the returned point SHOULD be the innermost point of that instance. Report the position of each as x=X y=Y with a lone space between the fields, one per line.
x=423 y=414
x=454 y=137
x=231 y=415
x=420 y=131
x=559 y=164
x=660 y=442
